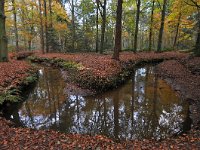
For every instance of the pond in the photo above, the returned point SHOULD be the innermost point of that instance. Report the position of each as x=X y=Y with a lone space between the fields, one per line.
x=144 y=107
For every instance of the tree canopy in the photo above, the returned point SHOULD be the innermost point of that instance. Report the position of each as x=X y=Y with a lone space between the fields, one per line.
x=88 y=25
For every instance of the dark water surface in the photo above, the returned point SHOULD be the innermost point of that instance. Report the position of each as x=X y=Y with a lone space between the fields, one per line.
x=145 y=107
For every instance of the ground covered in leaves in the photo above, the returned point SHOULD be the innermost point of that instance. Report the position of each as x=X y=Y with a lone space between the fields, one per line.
x=101 y=72
x=182 y=73
x=12 y=75
x=104 y=65
x=23 y=138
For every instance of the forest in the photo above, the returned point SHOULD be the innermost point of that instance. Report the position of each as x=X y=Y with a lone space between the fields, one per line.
x=100 y=74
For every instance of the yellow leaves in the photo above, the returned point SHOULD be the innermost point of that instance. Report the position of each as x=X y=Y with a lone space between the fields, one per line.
x=59 y=10
x=60 y=26
x=125 y=34
x=27 y=35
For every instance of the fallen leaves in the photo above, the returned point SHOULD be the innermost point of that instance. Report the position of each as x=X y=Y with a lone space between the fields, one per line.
x=24 y=138
x=101 y=72
x=12 y=73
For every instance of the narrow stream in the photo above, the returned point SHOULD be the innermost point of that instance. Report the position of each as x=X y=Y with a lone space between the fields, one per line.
x=145 y=107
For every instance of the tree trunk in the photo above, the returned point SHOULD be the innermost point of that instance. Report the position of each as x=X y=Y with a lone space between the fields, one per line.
x=50 y=12
x=3 y=38
x=73 y=27
x=41 y=28
x=24 y=24
x=15 y=25
x=46 y=26
x=103 y=27
x=118 y=31
x=162 y=27
x=97 y=27
x=197 y=46
x=31 y=31
x=137 y=24
x=29 y=45
x=151 y=26
x=177 y=31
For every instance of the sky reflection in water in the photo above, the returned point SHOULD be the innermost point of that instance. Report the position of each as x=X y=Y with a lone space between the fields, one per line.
x=145 y=107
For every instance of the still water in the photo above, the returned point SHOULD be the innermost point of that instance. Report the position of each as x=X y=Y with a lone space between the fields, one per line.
x=145 y=107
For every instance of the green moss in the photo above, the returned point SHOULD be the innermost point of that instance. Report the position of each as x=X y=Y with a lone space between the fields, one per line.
x=71 y=65
x=12 y=95
x=30 y=79
x=31 y=58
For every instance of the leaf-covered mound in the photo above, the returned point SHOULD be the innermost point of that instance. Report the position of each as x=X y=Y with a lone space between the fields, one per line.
x=12 y=75
x=101 y=72
x=104 y=65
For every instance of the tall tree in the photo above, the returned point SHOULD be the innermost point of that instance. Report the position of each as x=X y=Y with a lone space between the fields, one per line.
x=31 y=32
x=118 y=31
x=97 y=26
x=162 y=26
x=46 y=26
x=41 y=27
x=197 y=46
x=151 y=26
x=103 y=25
x=196 y=4
x=177 y=15
x=15 y=25
x=177 y=30
x=73 y=26
x=24 y=25
x=50 y=13
x=3 y=38
x=138 y=2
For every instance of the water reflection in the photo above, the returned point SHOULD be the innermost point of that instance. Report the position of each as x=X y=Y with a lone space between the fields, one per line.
x=144 y=107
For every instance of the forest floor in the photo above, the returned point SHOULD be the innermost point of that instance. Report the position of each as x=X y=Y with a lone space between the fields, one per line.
x=182 y=73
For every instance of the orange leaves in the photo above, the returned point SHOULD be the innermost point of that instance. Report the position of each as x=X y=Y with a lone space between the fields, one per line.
x=11 y=73
x=99 y=65
x=104 y=65
x=101 y=72
x=24 y=138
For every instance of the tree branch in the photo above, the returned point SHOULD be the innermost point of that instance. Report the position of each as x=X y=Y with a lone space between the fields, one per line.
x=193 y=3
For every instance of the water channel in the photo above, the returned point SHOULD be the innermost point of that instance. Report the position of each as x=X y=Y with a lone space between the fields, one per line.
x=144 y=107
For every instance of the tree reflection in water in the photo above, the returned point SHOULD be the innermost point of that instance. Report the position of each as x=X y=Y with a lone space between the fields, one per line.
x=145 y=107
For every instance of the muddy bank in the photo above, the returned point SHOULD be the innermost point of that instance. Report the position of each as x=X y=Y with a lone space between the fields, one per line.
x=184 y=77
